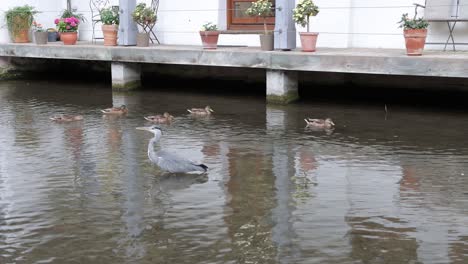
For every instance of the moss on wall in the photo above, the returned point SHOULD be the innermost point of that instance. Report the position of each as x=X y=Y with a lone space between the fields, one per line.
x=283 y=99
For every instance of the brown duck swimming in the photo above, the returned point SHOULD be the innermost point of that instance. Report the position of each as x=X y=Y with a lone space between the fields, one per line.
x=66 y=118
x=201 y=111
x=115 y=110
x=320 y=123
x=164 y=118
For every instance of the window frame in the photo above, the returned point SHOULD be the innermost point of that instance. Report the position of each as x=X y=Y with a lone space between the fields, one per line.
x=248 y=23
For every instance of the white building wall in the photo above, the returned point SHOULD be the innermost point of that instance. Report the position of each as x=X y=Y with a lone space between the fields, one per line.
x=49 y=10
x=341 y=23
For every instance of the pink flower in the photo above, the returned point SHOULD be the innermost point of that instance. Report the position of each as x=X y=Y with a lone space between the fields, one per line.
x=73 y=24
x=56 y=21
x=68 y=27
x=67 y=20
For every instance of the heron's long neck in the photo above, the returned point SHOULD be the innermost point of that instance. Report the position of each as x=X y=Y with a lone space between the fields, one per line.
x=151 y=153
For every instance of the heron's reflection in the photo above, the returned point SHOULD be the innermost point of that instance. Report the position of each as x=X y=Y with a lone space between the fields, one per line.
x=179 y=181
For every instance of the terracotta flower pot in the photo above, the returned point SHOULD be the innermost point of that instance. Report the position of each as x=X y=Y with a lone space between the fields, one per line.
x=22 y=36
x=209 y=39
x=415 y=39
x=110 y=34
x=308 y=41
x=68 y=38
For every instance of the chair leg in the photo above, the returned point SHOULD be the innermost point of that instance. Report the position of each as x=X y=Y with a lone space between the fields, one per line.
x=155 y=37
x=92 y=38
x=451 y=28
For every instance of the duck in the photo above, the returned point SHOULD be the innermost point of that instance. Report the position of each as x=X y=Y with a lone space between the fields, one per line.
x=201 y=111
x=320 y=123
x=115 y=110
x=66 y=118
x=164 y=118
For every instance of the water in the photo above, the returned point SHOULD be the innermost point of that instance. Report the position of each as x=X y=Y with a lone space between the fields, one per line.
x=378 y=189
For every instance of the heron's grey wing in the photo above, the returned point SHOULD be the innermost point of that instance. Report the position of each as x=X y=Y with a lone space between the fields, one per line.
x=173 y=163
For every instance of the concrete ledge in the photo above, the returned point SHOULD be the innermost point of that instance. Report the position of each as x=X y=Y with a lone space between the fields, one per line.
x=364 y=61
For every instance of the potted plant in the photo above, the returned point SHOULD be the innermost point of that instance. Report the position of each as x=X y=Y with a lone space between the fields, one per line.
x=110 y=25
x=51 y=35
x=264 y=9
x=145 y=17
x=415 y=33
x=40 y=35
x=301 y=15
x=209 y=35
x=68 y=28
x=71 y=12
x=19 y=20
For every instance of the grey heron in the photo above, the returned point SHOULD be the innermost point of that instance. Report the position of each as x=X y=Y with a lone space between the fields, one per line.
x=168 y=161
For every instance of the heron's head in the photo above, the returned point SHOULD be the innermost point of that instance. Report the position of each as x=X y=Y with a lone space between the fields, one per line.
x=152 y=129
x=123 y=107
x=208 y=109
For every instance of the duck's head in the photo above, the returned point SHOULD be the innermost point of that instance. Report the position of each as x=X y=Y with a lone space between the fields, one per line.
x=208 y=109
x=328 y=121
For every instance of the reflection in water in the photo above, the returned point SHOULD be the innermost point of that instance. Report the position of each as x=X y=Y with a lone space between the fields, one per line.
x=373 y=191
x=382 y=240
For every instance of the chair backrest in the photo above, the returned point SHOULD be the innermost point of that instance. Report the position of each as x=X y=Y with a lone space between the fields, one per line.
x=97 y=5
x=446 y=9
x=155 y=5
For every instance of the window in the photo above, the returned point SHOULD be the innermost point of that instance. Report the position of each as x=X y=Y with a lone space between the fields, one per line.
x=238 y=20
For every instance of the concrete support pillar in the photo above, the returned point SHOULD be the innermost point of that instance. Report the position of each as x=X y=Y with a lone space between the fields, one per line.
x=285 y=28
x=281 y=86
x=125 y=76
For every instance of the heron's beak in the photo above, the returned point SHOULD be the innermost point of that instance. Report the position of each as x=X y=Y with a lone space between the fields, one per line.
x=332 y=123
x=143 y=128
x=211 y=110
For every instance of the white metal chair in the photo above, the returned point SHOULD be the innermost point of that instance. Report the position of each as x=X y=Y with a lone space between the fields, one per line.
x=96 y=6
x=155 y=7
x=448 y=11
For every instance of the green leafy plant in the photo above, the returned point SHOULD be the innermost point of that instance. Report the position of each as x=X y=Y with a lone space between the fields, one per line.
x=303 y=11
x=144 y=16
x=67 y=13
x=20 y=18
x=209 y=27
x=413 y=23
x=109 y=16
x=261 y=8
